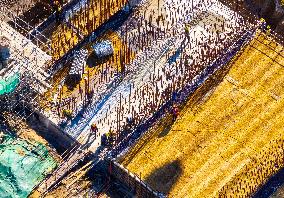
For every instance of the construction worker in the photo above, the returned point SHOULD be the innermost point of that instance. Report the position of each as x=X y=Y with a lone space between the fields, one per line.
x=268 y=30
x=94 y=129
x=67 y=113
x=92 y=135
x=57 y=8
x=263 y=25
x=187 y=31
x=175 y=112
x=110 y=136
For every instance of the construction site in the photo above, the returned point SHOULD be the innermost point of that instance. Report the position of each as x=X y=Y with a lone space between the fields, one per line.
x=141 y=98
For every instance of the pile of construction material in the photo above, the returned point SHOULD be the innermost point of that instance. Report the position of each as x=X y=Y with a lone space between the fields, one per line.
x=77 y=67
x=103 y=49
x=79 y=62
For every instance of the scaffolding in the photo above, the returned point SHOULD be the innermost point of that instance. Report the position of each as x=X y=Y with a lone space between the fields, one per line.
x=27 y=67
x=24 y=28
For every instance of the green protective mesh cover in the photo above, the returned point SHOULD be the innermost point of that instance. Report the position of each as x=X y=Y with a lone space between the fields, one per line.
x=23 y=165
x=9 y=84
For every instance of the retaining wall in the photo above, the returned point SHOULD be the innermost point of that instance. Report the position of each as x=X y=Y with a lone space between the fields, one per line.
x=52 y=133
x=141 y=189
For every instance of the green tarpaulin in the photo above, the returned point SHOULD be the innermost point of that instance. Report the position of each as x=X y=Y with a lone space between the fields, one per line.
x=22 y=166
x=9 y=84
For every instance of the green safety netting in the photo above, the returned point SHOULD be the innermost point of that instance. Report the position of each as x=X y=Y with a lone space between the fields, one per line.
x=22 y=166
x=10 y=83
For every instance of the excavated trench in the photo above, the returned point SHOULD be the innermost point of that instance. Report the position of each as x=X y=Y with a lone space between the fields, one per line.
x=271 y=10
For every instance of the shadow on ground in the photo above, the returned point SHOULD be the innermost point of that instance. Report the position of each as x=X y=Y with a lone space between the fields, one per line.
x=165 y=177
x=94 y=61
x=165 y=130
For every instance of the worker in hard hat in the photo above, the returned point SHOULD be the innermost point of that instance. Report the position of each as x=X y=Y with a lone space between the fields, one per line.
x=94 y=129
x=175 y=112
x=67 y=113
x=268 y=30
x=263 y=25
x=110 y=136
x=92 y=135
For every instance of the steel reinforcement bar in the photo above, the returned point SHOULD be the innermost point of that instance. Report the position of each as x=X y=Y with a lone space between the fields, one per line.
x=184 y=93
